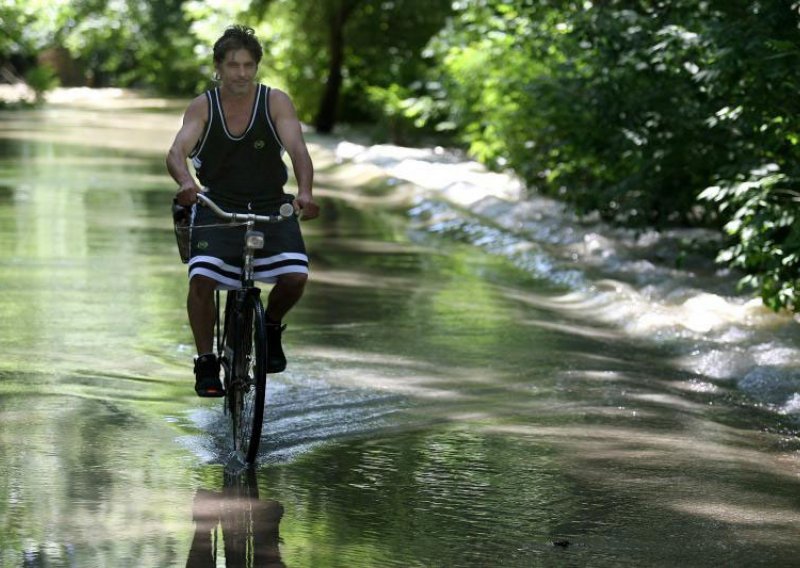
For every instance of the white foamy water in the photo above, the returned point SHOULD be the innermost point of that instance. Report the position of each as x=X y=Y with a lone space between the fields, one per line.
x=660 y=286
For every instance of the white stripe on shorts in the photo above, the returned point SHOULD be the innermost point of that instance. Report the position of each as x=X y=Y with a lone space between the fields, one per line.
x=264 y=269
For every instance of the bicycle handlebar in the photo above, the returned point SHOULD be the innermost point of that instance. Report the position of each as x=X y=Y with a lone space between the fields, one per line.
x=286 y=210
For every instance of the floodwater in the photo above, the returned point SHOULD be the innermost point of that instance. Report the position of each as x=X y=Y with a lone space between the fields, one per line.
x=472 y=381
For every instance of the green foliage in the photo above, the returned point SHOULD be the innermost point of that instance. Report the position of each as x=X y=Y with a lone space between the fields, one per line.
x=581 y=103
x=295 y=47
x=403 y=115
x=383 y=50
x=131 y=43
x=41 y=79
x=631 y=109
x=762 y=213
x=27 y=25
x=120 y=43
x=15 y=21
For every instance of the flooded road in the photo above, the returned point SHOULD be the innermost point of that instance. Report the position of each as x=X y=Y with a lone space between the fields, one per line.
x=471 y=383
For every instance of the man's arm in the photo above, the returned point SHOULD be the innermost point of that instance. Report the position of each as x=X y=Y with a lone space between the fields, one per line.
x=286 y=122
x=194 y=122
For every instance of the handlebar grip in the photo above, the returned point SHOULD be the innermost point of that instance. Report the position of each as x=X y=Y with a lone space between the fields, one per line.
x=179 y=212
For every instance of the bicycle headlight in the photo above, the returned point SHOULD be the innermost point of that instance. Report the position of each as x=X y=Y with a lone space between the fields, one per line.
x=254 y=239
x=286 y=210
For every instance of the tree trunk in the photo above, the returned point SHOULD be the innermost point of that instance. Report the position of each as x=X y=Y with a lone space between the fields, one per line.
x=328 y=106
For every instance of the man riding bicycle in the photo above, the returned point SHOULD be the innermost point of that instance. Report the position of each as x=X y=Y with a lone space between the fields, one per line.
x=235 y=135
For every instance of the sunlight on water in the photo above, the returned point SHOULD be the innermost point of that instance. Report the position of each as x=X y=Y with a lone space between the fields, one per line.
x=436 y=170
x=658 y=286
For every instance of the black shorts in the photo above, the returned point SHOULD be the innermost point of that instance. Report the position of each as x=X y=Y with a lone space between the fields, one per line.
x=217 y=250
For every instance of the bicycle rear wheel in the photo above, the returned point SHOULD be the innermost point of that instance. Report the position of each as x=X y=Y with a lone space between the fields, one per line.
x=248 y=375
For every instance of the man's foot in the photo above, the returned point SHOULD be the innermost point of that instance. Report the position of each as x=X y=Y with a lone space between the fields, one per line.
x=276 y=360
x=206 y=376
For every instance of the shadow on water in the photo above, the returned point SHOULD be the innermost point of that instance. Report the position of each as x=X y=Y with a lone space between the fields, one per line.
x=443 y=406
x=630 y=464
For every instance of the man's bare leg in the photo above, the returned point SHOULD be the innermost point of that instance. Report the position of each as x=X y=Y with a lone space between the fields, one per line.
x=200 y=305
x=284 y=295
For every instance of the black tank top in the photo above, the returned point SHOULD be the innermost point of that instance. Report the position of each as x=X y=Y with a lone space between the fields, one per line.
x=241 y=172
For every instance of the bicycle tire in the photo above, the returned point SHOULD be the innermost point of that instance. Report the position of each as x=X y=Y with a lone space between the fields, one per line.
x=246 y=389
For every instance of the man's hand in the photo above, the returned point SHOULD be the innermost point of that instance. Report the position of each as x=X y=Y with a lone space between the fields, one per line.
x=187 y=194
x=305 y=206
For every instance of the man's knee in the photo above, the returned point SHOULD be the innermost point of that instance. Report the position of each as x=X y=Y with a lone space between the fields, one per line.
x=202 y=287
x=293 y=281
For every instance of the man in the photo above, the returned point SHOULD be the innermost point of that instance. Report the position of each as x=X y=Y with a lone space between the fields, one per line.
x=235 y=136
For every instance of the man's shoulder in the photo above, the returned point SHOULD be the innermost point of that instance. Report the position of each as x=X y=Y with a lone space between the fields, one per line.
x=198 y=106
x=278 y=98
x=201 y=99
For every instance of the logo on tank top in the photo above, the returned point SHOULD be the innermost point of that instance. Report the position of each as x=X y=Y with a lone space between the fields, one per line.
x=258 y=144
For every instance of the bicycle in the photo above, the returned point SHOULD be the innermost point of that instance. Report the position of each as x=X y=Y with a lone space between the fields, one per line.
x=241 y=342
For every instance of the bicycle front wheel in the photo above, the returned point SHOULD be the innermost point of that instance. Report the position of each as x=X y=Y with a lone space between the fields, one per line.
x=247 y=388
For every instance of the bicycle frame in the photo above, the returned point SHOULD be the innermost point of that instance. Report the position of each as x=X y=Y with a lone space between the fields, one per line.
x=243 y=323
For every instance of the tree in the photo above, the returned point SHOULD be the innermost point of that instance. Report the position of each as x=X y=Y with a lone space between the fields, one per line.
x=121 y=43
x=133 y=43
x=330 y=53
x=338 y=14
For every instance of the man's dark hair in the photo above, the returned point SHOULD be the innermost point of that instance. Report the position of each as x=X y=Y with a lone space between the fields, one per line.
x=234 y=38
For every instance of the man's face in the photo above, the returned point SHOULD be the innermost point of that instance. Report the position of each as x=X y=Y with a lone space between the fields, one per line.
x=237 y=71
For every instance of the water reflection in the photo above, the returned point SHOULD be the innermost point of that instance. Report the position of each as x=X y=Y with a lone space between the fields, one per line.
x=81 y=468
x=234 y=525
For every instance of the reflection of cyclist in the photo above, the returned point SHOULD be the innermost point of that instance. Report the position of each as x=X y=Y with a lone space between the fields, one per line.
x=236 y=135
x=249 y=528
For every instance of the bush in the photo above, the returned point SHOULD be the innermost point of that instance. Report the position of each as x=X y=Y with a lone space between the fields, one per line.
x=765 y=234
x=41 y=79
